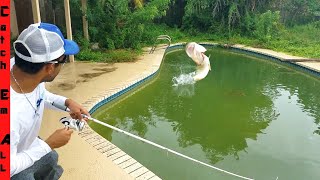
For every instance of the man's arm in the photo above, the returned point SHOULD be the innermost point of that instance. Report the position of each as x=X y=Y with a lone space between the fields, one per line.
x=76 y=110
x=22 y=160
x=59 y=138
x=57 y=99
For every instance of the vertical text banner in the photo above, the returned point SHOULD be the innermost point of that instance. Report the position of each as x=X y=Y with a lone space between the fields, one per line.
x=4 y=89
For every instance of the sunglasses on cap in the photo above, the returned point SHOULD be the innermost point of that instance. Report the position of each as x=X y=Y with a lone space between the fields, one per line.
x=64 y=60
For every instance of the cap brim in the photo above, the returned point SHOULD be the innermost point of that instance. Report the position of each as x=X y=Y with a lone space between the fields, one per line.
x=70 y=47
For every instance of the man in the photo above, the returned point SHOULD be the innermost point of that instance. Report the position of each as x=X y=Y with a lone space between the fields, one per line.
x=40 y=53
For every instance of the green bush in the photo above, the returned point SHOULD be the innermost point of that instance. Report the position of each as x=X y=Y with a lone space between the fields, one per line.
x=119 y=26
x=88 y=55
x=110 y=56
x=267 y=26
x=81 y=41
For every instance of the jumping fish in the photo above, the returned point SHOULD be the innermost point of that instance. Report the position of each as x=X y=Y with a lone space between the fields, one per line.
x=196 y=53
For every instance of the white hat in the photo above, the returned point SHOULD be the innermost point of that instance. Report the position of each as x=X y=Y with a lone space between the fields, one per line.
x=44 y=43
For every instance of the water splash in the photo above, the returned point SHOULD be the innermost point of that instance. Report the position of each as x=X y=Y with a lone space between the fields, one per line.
x=183 y=79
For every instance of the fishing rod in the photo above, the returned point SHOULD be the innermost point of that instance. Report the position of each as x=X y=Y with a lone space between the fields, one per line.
x=65 y=108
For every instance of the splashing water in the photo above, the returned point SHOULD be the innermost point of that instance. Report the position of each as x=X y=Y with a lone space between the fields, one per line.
x=183 y=79
x=185 y=90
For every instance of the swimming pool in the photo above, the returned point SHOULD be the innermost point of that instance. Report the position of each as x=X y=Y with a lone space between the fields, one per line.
x=249 y=116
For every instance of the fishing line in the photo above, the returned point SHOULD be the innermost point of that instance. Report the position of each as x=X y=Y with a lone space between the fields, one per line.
x=64 y=108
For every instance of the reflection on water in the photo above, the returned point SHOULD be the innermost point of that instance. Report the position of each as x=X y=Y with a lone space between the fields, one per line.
x=246 y=116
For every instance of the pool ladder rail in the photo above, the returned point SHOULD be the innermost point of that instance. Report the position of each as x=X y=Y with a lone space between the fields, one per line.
x=160 y=37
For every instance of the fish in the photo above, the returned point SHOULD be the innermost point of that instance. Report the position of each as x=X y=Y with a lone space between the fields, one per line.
x=196 y=53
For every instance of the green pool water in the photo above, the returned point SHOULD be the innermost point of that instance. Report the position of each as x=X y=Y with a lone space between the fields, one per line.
x=250 y=116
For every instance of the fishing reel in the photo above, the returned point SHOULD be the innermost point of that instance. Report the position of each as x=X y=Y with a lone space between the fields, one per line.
x=75 y=124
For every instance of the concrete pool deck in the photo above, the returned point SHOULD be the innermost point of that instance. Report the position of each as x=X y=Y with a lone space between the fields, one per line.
x=88 y=155
x=301 y=61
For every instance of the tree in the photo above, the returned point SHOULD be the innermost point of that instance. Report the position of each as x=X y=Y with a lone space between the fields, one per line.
x=220 y=14
x=297 y=11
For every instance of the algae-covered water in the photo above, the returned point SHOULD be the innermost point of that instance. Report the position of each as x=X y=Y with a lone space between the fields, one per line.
x=250 y=116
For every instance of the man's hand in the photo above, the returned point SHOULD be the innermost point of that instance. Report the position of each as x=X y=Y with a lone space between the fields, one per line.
x=59 y=138
x=76 y=110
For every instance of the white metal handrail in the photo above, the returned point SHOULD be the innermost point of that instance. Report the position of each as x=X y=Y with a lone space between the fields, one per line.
x=160 y=37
